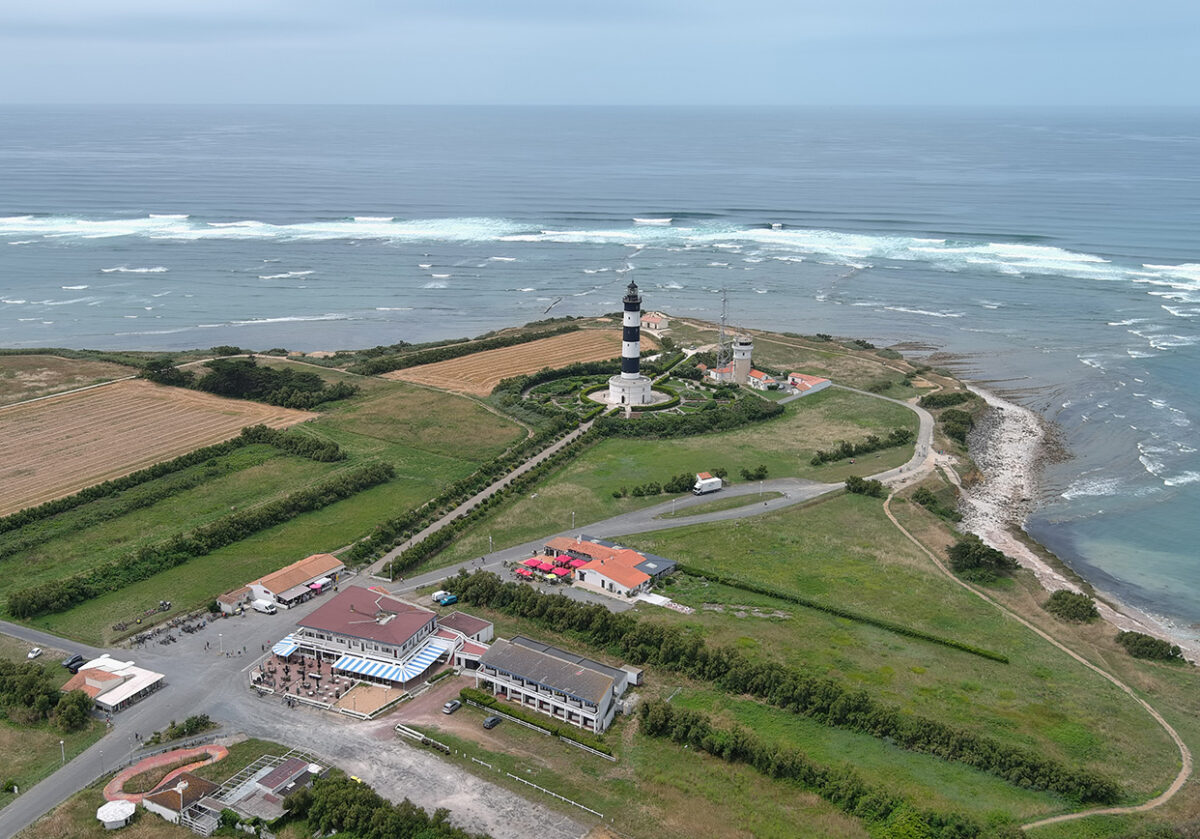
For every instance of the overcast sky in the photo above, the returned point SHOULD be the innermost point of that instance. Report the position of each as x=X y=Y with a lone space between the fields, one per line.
x=688 y=52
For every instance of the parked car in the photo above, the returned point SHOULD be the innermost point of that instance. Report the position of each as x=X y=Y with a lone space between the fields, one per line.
x=34 y=653
x=72 y=662
x=451 y=706
x=491 y=722
x=448 y=600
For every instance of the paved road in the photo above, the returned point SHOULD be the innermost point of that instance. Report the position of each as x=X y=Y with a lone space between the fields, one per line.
x=203 y=680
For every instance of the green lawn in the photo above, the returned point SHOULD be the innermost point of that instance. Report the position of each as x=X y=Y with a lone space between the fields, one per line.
x=785 y=445
x=843 y=551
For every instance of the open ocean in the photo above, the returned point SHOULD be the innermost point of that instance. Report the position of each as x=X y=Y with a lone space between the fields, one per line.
x=1059 y=254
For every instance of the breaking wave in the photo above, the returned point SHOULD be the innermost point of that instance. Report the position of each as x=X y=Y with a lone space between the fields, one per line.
x=125 y=269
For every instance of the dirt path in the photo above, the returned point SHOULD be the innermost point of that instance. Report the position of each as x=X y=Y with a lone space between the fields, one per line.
x=1185 y=753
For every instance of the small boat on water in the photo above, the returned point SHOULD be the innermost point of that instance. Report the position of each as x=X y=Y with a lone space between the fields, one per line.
x=659 y=221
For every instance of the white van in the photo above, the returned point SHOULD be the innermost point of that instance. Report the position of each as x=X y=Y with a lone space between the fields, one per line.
x=264 y=606
x=437 y=596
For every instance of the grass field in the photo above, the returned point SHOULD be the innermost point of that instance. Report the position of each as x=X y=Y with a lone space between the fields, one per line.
x=431 y=438
x=656 y=789
x=30 y=376
x=479 y=373
x=60 y=445
x=785 y=445
x=729 y=503
x=843 y=551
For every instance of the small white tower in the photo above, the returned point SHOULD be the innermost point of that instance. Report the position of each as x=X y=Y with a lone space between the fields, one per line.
x=743 y=348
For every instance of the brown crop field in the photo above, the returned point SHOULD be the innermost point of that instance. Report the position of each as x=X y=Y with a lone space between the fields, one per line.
x=30 y=376
x=478 y=374
x=57 y=446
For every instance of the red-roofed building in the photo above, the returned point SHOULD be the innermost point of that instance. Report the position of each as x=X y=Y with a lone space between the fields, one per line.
x=804 y=384
x=361 y=622
x=610 y=568
x=759 y=380
x=654 y=322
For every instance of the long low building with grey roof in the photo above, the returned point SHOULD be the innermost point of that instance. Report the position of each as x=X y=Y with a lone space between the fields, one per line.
x=562 y=685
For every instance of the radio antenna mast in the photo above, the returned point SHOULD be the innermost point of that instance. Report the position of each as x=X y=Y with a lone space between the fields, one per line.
x=723 y=351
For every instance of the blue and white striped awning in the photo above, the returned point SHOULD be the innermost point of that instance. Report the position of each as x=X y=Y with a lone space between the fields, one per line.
x=286 y=647
x=410 y=669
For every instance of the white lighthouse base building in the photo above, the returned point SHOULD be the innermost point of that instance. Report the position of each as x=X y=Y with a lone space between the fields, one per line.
x=622 y=391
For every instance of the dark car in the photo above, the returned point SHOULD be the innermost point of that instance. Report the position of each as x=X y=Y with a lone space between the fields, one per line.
x=491 y=722
x=72 y=662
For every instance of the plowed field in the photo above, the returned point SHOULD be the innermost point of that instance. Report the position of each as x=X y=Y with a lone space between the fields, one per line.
x=60 y=445
x=478 y=374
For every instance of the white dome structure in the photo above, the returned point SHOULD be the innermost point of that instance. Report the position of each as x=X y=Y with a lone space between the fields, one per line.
x=115 y=814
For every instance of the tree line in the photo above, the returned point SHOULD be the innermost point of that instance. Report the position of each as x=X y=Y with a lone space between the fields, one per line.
x=62 y=594
x=840 y=786
x=816 y=697
x=392 y=532
x=244 y=378
x=291 y=442
x=945 y=399
x=745 y=411
x=845 y=449
x=388 y=363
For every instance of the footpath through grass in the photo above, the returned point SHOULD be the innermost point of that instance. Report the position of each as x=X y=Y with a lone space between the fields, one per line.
x=844 y=551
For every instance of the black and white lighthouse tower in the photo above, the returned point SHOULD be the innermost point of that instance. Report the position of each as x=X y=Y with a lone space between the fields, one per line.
x=630 y=387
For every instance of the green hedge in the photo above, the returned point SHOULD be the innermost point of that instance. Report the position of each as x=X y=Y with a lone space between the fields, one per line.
x=660 y=406
x=945 y=399
x=842 y=787
x=839 y=612
x=539 y=720
x=60 y=595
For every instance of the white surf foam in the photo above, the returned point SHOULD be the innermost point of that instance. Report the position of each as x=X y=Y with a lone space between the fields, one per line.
x=923 y=312
x=434 y=285
x=125 y=269
x=502 y=259
x=384 y=219
x=284 y=275
x=73 y=287
x=393 y=308
x=12 y=302
x=291 y=319
x=1182 y=478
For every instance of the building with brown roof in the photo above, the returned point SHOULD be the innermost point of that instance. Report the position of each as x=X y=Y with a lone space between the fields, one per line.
x=183 y=792
x=113 y=685
x=473 y=628
x=299 y=581
x=611 y=569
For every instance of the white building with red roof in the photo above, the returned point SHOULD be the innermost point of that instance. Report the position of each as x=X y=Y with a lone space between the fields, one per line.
x=611 y=568
x=805 y=384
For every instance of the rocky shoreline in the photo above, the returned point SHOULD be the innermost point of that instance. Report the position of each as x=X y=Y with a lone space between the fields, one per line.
x=1008 y=446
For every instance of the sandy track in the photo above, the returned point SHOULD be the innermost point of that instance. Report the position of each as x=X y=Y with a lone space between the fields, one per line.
x=59 y=445
x=479 y=373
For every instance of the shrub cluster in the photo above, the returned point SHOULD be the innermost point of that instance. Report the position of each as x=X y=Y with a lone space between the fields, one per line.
x=338 y=804
x=838 y=611
x=292 y=442
x=682 y=482
x=30 y=694
x=60 y=595
x=817 y=697
x=540 y=720
x=388 y=363
x=873 y=443
x=842 y=787
x=925 y=497
x=956 y=424
x=672 y=400
x=1140 y=645
x=243 y=378
x=1072 y=606
x=392 y=532
x=865 y=486
x=972 y=560
x=945 y=399
x=758 y=473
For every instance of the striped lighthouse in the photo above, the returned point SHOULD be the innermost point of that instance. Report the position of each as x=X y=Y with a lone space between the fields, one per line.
x=631 y=334
x=630 y=387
